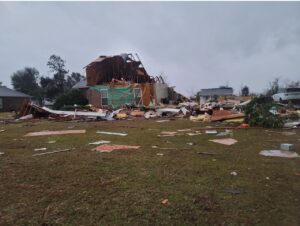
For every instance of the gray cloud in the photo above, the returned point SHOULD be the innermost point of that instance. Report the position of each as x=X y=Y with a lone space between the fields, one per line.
x=197 y=44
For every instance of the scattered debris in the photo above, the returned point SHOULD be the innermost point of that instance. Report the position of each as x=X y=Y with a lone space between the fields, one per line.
x=279 y=153
x=294 y=124
x=233 y=173
x=163 y=120
x=223 y=134
x=183 y=130
x=286 y=133
x=1 y=153
x=51 y=152
x=194 y=134
x=160 y=154
x=2 y=130
x=137 y=113
x=26 y=117
x=40 y=149
x=112 y=147
x=60 y=132
x=51 y=141
x=225 y=141
x=167 y=134
x=287 y=147
x=190 y=143
x=164 y=201
x=100 y=142
x=112 y=133
x=211 y=131
x=244 y=126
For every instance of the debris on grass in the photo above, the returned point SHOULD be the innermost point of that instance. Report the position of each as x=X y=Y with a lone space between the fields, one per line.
x=183 y=130
x=286 y=133
x=2 y=130
x=287 y=147
x=40 y=149
x=51 y=152
x=1 y=153
x=163 y=120
x=112 y=133
x=160 y=154
x=100 y=142
x=279 y=153
x=190 y=143
x=223 y=134
x=51 y=141
x=26 y=117
x=233 y=173
x=193 y=134
x=167 y=134
x=164 y=201
x=225 y=141
x=211 y=131
x=112 y=147
x=60 y=132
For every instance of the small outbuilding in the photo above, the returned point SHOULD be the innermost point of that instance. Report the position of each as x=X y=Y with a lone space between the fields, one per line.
x=11 y=100
x=214 y=93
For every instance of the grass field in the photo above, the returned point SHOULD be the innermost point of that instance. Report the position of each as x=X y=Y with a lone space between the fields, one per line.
x=84 y=187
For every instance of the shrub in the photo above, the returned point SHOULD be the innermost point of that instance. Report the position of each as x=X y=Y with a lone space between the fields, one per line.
x=70 y=98
x=258 y=114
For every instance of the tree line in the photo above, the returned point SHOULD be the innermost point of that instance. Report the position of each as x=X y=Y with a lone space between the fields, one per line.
x=41 y=88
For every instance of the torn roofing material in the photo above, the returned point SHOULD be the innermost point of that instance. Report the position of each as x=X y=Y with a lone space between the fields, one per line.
x=122 y=67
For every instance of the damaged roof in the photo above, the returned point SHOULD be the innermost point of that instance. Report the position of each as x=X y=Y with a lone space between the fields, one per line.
x=81 y=84
x=121 y=67
x=6 y=92
x=221 y=91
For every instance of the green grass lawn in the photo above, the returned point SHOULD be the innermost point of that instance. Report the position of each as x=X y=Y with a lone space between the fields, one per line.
x=84 y=187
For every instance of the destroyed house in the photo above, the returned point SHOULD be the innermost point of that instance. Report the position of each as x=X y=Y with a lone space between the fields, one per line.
x=113 y=81
x=214 y=93
x=11 y=100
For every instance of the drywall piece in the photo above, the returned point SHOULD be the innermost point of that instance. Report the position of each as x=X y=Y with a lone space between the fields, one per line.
x=225 y=141
x=112 y=147
x=48 y=133
x=279 y=153
x=112 y=133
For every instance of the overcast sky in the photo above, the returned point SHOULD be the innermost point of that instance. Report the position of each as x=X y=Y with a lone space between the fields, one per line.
x=196 y=44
